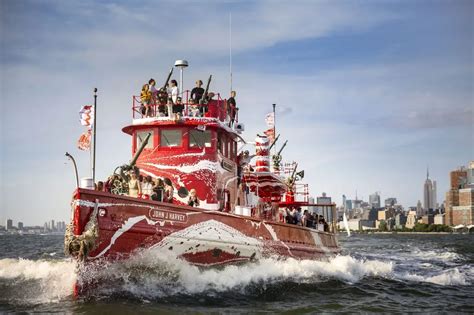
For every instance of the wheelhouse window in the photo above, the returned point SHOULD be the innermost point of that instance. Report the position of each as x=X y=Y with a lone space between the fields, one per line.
x=171 y=138
x=141 y=136
x=200 y=139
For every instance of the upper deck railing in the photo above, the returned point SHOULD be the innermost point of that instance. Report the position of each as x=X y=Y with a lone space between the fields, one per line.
x=216 y=107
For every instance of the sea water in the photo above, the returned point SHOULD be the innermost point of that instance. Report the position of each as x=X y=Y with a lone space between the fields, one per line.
x=374 y=273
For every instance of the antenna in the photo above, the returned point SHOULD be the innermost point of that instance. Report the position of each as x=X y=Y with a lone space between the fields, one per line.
x=181 y=64
x=230 y=50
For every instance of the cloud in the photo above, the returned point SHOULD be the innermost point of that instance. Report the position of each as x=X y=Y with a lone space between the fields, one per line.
x=344 y=123
x=109 y=33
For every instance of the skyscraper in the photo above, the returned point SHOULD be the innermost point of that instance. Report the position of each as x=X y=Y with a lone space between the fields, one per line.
x=429 y=193
x=434 y=197
x=374 y=200
x=9 y=224
x=419 y=209
x=348 y=205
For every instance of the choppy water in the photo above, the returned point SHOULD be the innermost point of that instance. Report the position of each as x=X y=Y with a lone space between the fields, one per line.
x=375 y=273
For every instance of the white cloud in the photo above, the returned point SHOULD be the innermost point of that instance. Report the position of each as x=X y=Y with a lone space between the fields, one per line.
x=344 y=125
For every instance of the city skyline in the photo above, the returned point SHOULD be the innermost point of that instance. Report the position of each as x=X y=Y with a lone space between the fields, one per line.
x=386 y=89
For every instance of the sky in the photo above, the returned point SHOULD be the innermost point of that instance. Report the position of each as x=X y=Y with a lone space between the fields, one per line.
x=369 y=93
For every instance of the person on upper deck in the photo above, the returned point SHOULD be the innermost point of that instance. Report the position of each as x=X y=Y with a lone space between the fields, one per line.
x=231 y=108
x=178 y=107
x=145 y=98
x=197 y=92
x=173 y=91
x=193 y=200
x=152 y=88
x=169 y=108
x=154 y=95
x=193 y=109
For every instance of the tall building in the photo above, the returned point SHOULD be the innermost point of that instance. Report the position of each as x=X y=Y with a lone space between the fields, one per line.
x=419 y=209
x=460 y=198
x=20 y=225
x=470 y=174
x=374 y=200
x=344 y=199
x=9 y=224
x=348 y=205
x=427 y=191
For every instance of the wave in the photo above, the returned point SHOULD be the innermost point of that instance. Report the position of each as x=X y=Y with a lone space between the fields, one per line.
x=37 y=281
x=449 y=277
x=149 y=276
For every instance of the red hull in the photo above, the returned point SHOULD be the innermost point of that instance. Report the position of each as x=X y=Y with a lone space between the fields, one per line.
x=199 y=236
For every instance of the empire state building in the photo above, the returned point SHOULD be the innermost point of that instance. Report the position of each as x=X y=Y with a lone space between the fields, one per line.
x=429 y=193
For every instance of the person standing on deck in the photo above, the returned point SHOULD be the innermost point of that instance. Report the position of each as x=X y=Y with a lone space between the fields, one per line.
x=197 y=92
x=231 y=108
x=145 y=98
x=147 y=187
x=134 y=186
x=154 y=96
x=169 y=190
x=158 y=188
x=173 y=91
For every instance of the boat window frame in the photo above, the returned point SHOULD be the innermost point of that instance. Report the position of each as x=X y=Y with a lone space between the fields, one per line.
x=151 y=142
x=167 y=147
x=196 y=147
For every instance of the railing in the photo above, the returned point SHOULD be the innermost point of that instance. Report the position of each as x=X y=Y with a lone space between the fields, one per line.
x=300 y=193
x=214 y=108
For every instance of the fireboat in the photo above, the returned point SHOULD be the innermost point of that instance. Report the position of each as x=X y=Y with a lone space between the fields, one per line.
x=244 y=199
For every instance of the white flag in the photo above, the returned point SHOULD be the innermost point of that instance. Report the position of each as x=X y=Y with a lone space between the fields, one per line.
x=270 y=120
x=86 y=115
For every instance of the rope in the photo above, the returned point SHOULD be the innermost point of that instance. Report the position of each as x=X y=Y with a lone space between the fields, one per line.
x=80 y=246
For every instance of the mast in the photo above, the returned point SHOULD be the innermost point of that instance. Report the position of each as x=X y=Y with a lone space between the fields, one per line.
x=274 y=123
x=94 y=129
x=230 y=50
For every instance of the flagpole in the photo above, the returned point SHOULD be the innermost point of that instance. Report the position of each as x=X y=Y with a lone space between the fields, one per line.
x=94 y=135
x=274 y=124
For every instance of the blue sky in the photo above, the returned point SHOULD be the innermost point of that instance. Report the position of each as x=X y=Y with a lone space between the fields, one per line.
x=369 y=93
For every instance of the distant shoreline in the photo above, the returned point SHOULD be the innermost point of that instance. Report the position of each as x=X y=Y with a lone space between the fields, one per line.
x=407 y=233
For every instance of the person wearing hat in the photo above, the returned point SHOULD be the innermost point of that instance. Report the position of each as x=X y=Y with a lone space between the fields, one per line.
x=169 y=190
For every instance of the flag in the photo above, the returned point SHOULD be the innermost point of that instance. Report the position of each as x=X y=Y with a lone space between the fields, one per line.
x=270 y=133
x=86 y=115
x=84 y=141
x=270 y=120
